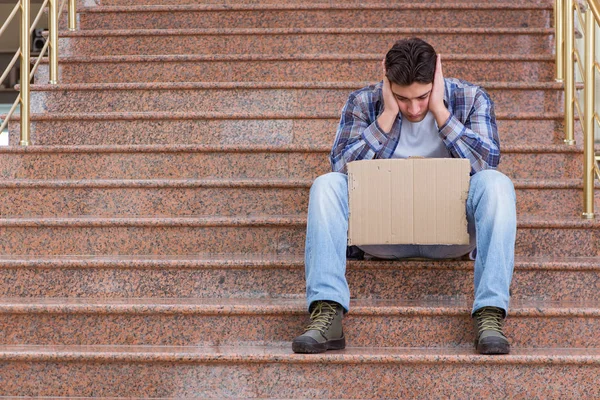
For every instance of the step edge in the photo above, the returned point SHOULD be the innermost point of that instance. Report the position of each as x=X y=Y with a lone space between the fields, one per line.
x=266 y=354
x=231 y=183
x=278 y=57
x=501 y=6
x=269 y=307
x=295 y=85
x=243 y=261
x=506 y=149
x=301 y=31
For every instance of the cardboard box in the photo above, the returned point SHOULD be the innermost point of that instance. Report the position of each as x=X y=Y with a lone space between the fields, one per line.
x=408 y=201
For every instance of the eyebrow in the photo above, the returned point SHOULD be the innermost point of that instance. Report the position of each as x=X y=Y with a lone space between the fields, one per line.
x=418 y=97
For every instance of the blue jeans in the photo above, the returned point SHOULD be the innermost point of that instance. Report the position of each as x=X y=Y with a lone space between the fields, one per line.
x=491 y=215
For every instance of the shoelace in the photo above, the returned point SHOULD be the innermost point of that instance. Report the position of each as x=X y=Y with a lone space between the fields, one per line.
x=489 y=319
x=321 y=317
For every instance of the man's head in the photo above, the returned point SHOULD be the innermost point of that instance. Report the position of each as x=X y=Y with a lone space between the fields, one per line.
x=410 y=67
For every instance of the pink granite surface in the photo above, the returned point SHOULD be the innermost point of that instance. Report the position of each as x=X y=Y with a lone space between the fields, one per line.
x=248 y=276
x=154 y=235
x=175 y=162
x=179 y=129
x=313 y=15
x=271 y=372
x=232 y=2
x=264 y=235
x=254 y=99
x=227 y=161
x=275 y=68
x=245 y=197
x=156 y=198
x=193 y=160
x=207 y=322
x=297 y=41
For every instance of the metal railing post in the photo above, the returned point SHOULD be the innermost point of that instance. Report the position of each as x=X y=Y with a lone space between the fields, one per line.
x=588 y=138
x=559 y=38
x=72 y=15
x=53 y=38
x=25 y=72
x=569 y=77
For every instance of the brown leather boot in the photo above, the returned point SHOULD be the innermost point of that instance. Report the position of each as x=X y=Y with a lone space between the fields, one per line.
x=490 y=338
x=324 y=331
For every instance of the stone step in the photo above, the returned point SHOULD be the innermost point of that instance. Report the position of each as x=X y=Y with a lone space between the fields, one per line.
x=273 y=235
x=247 y=276
x=300 y=41
x=246 y=322
x=90 y=3
x=229 y=98
x=277 y=68
x=227 y=197
x=270 y=371
x=238 y=162
x=70 y=129
x=317 y=15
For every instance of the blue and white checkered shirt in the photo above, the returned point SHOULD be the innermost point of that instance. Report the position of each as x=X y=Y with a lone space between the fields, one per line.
x=470 y=131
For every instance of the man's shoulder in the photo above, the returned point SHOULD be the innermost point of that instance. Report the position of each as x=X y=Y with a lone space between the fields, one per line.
x=459 y=87
x=367 y=95
x=464 y=95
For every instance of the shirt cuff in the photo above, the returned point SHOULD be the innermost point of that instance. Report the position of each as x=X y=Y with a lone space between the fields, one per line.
x=375 y=137
x=452 y=129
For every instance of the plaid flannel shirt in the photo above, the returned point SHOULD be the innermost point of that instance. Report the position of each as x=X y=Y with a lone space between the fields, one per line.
x=470 y=131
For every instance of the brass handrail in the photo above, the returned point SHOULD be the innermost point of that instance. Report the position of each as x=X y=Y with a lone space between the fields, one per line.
x=559 y=39
x=590 y=98
x=10 y=113
x=595 y=9
x=18 y=53
x=25 y=73
x=567 y=56
x=10 y=17
x=11 y=64
x=579 y=14
x=569 y=81
x=580 y=114
x=579 y=63
x=23 y=53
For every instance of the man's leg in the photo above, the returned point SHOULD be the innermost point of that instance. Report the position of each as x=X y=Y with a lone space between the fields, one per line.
x=326 y=240
x=327 y=292
x=491 y=205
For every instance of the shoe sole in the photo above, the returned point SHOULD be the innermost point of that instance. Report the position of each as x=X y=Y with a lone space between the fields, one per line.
x=314 y=348
x=492 y=347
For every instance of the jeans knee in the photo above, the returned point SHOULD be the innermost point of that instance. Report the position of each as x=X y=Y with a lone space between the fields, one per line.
x=332 y=184
x=493 y=184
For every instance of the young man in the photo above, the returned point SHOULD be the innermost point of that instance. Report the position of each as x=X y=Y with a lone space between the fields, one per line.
x=414 y=111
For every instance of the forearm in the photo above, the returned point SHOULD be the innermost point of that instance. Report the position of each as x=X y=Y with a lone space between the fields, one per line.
x=481 y=147
x=386 y=120
x=357 y=143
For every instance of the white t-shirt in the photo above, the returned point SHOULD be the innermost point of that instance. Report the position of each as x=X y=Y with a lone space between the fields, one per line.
x=421 y=139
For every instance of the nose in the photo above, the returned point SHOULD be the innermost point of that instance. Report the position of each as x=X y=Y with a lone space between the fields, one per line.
x=413 y=108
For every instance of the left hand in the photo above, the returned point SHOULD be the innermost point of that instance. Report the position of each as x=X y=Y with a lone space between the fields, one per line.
x=436 y=99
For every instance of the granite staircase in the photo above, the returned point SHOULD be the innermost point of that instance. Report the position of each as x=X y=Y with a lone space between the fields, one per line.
x=152 y=238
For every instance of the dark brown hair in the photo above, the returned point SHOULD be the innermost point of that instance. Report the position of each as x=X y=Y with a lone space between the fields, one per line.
x=410 y=60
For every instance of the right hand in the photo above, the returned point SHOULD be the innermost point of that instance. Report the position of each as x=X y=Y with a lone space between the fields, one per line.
x=390 y=103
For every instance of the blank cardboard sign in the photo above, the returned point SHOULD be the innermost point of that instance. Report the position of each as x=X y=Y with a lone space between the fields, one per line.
x=408 y=201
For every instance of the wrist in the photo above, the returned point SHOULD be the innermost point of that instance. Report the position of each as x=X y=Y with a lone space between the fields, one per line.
x=441 y=115
x=386 y=120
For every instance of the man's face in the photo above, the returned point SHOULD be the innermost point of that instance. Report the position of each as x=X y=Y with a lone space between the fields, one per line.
x=413 y=100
